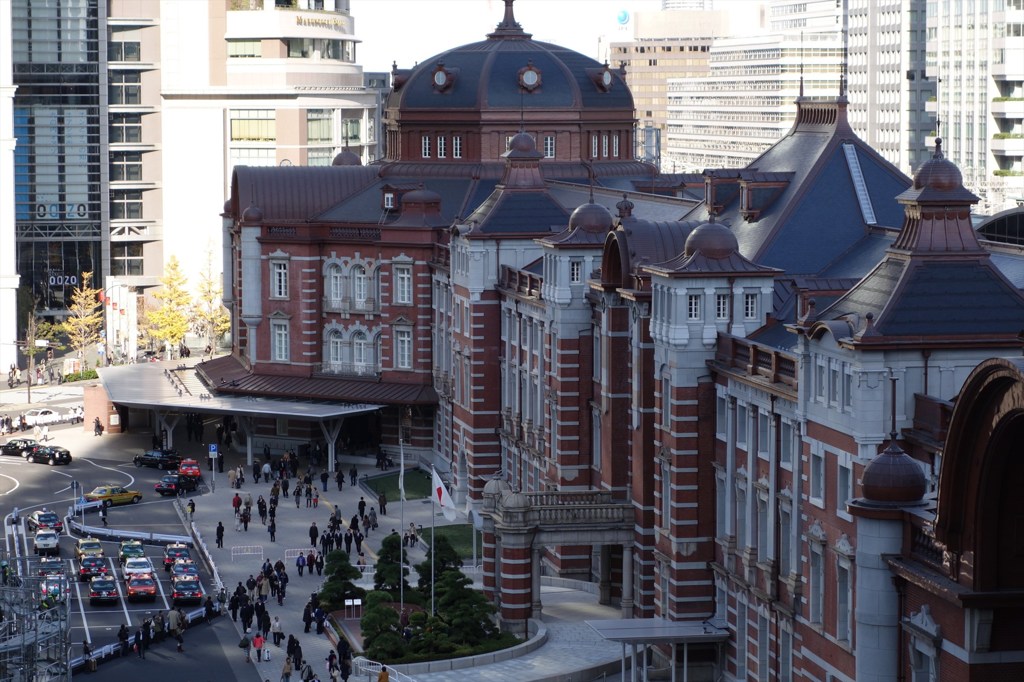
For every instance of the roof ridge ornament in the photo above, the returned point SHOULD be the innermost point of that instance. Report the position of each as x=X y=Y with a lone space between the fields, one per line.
x=509 y=27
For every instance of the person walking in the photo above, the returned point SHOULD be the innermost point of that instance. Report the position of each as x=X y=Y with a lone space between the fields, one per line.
x=319 y=564
x=272 y=529
x=297 y=493
x=220 y=535
x=353 y=475
x=310 y=562
x=277 y=631
x=245 y=519
x=348 y=541
x=236 y=504
x=339 y=478
x=314 y=533
x=103 y=515
x=286 y=669
x=257 y=645
x=382 y=502
x=191 y=509
x=233 y=607
x=139 y=649
x=122 y=637
x=362 y=507
x=307 y=616
x=245 y=644
x=300 y=564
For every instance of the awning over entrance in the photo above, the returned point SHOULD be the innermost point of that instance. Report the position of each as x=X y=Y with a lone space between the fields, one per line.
x=639 y=632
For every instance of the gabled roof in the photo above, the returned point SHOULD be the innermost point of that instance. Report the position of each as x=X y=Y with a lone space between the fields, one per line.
x=819 y=214
x=295 y=192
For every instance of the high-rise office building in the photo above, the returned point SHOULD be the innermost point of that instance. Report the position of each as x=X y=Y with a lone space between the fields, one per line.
x=8 y=270
x=976 y=55
x=121 y=135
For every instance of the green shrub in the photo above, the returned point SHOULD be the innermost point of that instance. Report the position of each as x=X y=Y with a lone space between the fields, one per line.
x=81 y=376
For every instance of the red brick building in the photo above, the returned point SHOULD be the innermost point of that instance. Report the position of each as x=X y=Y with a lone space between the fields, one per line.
x=674 y=386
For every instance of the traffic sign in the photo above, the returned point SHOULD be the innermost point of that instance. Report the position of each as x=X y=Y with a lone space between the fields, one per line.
x=213 y=450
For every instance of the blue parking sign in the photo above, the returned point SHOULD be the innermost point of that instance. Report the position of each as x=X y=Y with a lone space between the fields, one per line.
x=213 y=449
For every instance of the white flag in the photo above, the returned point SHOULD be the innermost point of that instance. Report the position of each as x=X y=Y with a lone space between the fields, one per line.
x=442 y=497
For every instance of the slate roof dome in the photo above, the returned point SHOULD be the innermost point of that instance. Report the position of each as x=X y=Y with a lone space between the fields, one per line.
x=591 y=217
x=712 y=239
x=893 y=478
x=515 y=500
x=347 y=158
x=938 y=173
x=252 y=214
x=492 y=74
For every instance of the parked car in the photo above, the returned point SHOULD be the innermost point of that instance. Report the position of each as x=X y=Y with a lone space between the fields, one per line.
x=187 y=592
x=16 y=447
x=184 y=569
x=49 y=454
x=113 y=494
x=42 y=416
x=174 y=552
x=47 y=542
x=43 y=518
x=175 y=484
x=141 y=586
x=137 y=566
x=160 y=459
x=190 y=468
x=131 y=549
x=88 y=547
x=103 y=590
x=92 y=566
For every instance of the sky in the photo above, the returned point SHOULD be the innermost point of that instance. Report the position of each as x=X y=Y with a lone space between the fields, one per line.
x=411 y=31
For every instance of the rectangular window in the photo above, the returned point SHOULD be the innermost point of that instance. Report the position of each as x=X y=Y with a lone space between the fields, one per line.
x=253 y=125
x=279 y=341
x=549 y=146
x=817 y=481
x=125 y=204
x=762 y=648
x=253 y=156
x=843 y=590
x=319 y=126
x=442 y=146
x=741 y=641
x=403 y=285
x=125 y=128
x=319 y=157
x=847 y=387
x=762 y=528
x=833 y=384
x=389 y=200
x=595 y=440
x=597 y=356
x=615 y=145
x=666 y=496
x=693 y=306
x=785 y=655
x=763 y=441
x=819 y=381
x=844 y=486
x=278 y=279
x=721 y=416
x=403 y=349
x=575 y=272
x=741 y=517
x=456 y=146
x=816 y=597
x=720 y=508
x=750 y=306
x=741 y=424
x=125 y=87
x=245 y=48
x=786 y=443
x=785 y=545
x=126 y=258
x=125 y=166
x=127 y=51
x=593 y=146
x=604 y=145
x=722 y=306
x=425 y=146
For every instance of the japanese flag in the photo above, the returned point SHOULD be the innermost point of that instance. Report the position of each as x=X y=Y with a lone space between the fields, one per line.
x=441 y=496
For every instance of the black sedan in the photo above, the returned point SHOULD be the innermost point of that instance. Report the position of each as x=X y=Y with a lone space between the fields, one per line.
x=49 y=454
x=161 y=459
x=92 y=567
x=103 y=590
x=175 y=484
x=16 y=447
x=43 y=518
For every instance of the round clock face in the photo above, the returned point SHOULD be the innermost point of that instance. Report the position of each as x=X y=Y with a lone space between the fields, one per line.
x=530 y=77
x=606 y=78
x=440 y=78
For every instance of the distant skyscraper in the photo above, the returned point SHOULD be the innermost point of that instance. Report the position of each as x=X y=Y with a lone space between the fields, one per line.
x=976 y=54
x=887 y=83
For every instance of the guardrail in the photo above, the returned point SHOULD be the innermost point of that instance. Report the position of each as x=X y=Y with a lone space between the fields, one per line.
x=246 y=550
x=364 y=666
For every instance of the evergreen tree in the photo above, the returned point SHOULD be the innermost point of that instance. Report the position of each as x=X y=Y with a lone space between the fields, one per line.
x=85 y=321
x=467 y=612
x=338 y=584
x=382 y=640
x=169 y=322
x=391 y=570
x=445 y=559
x=208 y=311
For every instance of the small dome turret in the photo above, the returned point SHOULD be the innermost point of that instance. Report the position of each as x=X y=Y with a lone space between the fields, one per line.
x=893 y=478
x=938 y=173
x=253 y=214
x=515 y=501
x=591 y=217
x=347 y=158
x=712 y=239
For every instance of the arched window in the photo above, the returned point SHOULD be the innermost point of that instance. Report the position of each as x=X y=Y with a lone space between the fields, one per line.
x=334 y=286
x=335 y=352
x=360 y=286
x=361 y=356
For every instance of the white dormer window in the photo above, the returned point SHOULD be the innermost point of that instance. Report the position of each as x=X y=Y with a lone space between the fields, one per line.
x=575 y=272
x=425 y=146
x=750 y=306
x=593 y=146
x=442 y=147
x=604 y=145
x=693 y=306
x=722 y=306
x=549 y=146
x=457 y=146
x=389 y=200
x=615 y=145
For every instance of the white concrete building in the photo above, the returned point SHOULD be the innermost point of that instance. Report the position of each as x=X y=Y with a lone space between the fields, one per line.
x=976 y=54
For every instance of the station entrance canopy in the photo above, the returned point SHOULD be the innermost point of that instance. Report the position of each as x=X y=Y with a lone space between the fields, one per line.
x=173 y=390
x=642 y=632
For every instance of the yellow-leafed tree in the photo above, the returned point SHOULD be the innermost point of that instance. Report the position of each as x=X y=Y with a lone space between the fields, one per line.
x=208 y=311
x=84 y=324
x=169 y=321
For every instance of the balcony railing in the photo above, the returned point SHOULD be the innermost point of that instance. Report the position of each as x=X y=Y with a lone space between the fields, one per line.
x=347 y=369
x=754 y=360
x=346 y=304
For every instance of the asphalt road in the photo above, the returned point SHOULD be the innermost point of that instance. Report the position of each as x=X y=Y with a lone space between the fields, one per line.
x=209 y=649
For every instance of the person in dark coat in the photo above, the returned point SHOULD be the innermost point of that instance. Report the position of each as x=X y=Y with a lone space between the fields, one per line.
x=314 y=533
x=247 y=613
x=307 y=616
x=220 y=535
x=233 y=607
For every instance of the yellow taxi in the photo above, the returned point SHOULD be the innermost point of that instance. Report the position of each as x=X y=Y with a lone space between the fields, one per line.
x=88 y=547
x=113 y=494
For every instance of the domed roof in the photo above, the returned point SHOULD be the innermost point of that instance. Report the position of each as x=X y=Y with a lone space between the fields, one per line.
x=227 y=206
x=515 y=500
x=252 y=214
x=347 y=158
x=893 y=478
x=421 y=196
x=938 y=173
x=496 y=486
x=493 y=74
x=591 y=217
x=712 y=239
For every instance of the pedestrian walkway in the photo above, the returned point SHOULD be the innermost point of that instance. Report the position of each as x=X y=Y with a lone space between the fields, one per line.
x=571 y=647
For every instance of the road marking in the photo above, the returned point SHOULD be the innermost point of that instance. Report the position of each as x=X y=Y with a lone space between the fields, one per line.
x=17 y=484
x=81 y=608
x=131 y=479
x=160 y=589
x=124 y=606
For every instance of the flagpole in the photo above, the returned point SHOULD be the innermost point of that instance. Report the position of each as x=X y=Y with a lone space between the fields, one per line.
x=433 y=538
x=401 y=567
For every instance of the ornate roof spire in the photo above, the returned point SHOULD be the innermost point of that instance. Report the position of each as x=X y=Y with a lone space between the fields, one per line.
x=509 y=27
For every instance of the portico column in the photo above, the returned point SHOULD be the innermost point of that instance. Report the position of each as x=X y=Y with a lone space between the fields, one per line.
x=331 y=429
x=605 y=584
x=245 y=423
x=627 y=582
x=535 y=605
x=167 y=422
